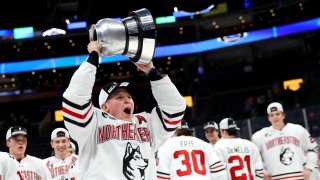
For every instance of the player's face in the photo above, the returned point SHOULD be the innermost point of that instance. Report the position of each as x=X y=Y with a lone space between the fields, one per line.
x=211 y=134
x=71 y=151
x=60 y=146
x=17 y=146
x=276 y=117
x=120 y=104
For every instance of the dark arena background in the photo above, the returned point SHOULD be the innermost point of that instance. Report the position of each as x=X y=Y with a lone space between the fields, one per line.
x=229 y=58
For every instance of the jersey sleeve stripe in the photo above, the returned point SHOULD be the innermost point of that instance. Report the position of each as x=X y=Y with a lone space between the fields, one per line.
x=217 y=170
x=172 y=122
x=218 y=162
x=76 y=106
x=171 y=116
x=217 y=167
x=168 y=127
x=78 y=123
x=172 y=119
x=259 y=173
x=162 y=175
x=312 y=150
x=77 y=115
x=259 y=176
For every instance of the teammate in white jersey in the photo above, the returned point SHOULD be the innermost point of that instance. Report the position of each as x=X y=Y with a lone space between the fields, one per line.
x=241 y=156
x=211 y=131
x=29 y=167
x=3 y=165
x=283 y=147
x=61 y=165
x=184 y=157
x=8 y=167
x=113 y=142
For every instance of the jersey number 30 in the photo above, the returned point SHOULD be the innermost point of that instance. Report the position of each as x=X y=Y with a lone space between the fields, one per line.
x=240 y=167
x=190 y=162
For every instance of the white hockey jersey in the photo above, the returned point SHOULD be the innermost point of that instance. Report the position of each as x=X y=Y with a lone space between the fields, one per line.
x=32 y=168
x=241 y=157
x=111 y=148
x=188 y=158
x=283 y=151
x=8 y=167
x=61 y=168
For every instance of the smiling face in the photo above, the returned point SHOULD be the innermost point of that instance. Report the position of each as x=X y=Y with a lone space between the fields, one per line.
x=212 y=135
x=120 y=104
x=61 y=147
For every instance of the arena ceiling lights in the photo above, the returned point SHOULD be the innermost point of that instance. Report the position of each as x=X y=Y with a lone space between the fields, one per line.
x=170 y=50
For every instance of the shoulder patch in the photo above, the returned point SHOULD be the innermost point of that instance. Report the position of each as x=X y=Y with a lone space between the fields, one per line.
x=141 y=119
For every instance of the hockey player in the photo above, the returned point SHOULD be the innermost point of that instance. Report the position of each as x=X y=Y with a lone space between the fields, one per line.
x=211 y=131
x=62 y=163
x=185 y=157
x=241 y=156
x=113 y=142
x=8 y=167
x=283 y=147
x=29 y=167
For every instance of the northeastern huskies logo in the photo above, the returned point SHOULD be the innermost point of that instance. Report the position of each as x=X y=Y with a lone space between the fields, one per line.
x=134 y=164
x=286 y=156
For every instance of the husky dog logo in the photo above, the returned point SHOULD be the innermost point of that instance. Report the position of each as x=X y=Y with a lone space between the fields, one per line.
x=286 y=156
x=134 y=164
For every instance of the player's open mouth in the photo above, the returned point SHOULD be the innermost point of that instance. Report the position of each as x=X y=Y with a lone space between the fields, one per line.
x=127 y=110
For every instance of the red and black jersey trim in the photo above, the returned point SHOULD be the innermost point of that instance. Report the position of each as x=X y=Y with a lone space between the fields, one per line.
x=76 y=115
x=291 y=175
x=259 y=173
x=77 y=123
x=165 y=121
x=173 y=115
x=162 y=175
x=217 y=167
x=315 y=150
x=76 y=106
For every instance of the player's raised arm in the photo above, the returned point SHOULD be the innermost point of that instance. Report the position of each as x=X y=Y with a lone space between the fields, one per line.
x=77 y=104
x=168 y=113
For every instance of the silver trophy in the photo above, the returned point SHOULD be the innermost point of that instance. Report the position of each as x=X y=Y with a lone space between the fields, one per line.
x=133 y=36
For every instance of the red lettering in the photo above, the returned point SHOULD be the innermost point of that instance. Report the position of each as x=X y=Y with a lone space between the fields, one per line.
x=147 y=134
x=141 y=119
x=28 y=175
x=124 y=132
x=132 y=129
x=117 y=134
x=282 y=140
x=108 y=130
x=19 y=174
x=141 y=134
x=101 y=135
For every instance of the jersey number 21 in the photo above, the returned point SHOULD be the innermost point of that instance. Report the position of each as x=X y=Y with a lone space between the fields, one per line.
x=240 y=167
